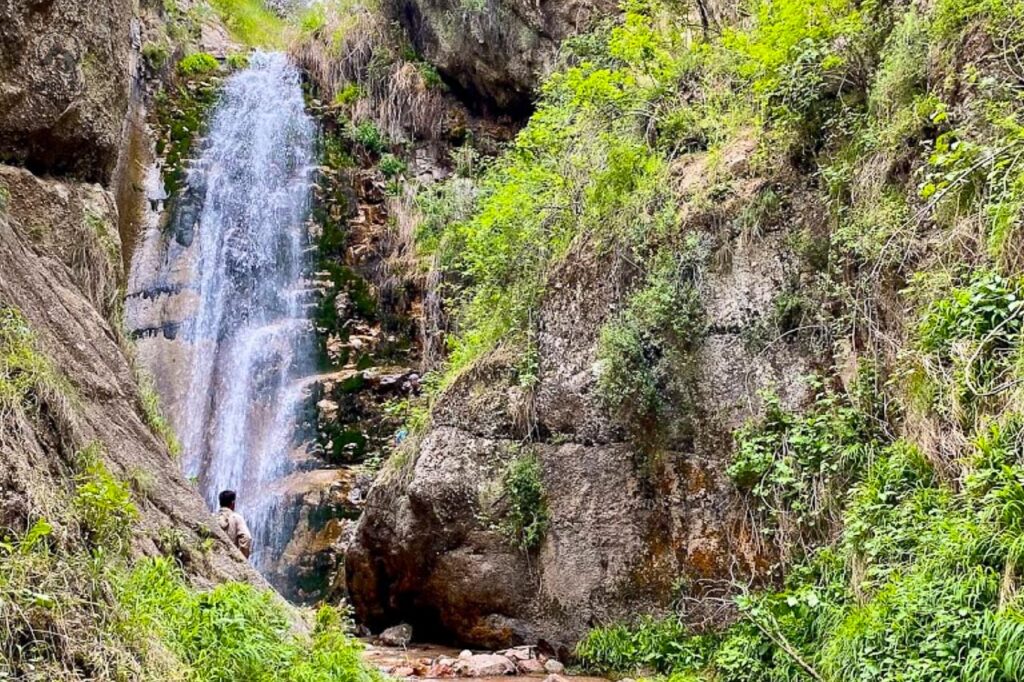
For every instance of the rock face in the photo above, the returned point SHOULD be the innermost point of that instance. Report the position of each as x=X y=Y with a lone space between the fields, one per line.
x=65 y=68
x=65 y=84
x=495 y=50
x=631 y=530
x=60 y=261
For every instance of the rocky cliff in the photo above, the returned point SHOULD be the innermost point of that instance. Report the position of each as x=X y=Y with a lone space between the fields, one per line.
x=633 y=527
x=71 y=395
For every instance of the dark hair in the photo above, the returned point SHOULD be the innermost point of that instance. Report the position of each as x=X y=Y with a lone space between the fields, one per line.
x=227 y=498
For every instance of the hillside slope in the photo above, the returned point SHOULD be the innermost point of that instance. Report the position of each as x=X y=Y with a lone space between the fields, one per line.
x=737 y=312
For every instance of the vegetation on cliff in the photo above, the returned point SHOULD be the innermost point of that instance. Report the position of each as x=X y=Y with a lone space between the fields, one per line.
x=892 y=503
x=77 y=601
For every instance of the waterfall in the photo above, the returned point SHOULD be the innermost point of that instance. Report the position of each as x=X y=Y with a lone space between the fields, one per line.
x=241 y=261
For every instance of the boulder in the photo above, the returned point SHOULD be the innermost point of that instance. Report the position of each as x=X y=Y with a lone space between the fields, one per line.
x=65 y=70
x=530 y=666
x=553 y=667
x=485 y=665
x=397 y=635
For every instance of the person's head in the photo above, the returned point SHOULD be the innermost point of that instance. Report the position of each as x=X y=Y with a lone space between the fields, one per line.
x=227 y=499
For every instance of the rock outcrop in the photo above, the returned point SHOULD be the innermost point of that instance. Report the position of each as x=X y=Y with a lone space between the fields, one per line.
x=66 y=67
x=632 y=529
x=496 y=51
x=66 y=70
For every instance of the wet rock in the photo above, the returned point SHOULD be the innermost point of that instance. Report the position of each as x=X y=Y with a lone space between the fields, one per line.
x=404 y=671
x=397 y=635
x=485 y=665
x=554 y=667
x=465 y=653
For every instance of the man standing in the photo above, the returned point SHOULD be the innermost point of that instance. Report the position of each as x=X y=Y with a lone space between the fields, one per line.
x=232 y=523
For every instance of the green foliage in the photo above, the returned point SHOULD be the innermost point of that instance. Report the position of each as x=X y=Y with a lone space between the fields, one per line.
x=236 y=631
x=348 y=95
x=970 y=343
x=102 y=503
x=642 y=349
x=391 y=166
x=525 y=517
x=796 y=465
x=198 y=64
x=154 y=415
x=26 y=376
x=238 y=60
x=664 y=646
x=369 y=137
x=251 y=22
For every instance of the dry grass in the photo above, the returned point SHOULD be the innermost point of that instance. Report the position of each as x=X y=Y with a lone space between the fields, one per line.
x=353 y=45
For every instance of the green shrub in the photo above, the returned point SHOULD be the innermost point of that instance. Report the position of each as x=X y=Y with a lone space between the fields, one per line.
x=238 y=60
x=369 y=136
x=348 y=95
x=796 y=466
x=525 y=519
x=102 y=503
x=391 y=166
x=237 y=631
x=198 y=64
x=664 y=646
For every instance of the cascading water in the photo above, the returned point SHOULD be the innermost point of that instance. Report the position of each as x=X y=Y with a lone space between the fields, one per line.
x=249 y=338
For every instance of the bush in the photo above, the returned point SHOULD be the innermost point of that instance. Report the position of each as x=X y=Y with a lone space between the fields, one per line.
x=369 y=136
x=391 y=166
x=198 y=64
x=237 y=631
x=525 y=518
x=102 y=503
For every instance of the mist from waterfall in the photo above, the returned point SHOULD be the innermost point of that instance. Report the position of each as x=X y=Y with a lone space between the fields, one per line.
x=249 y=334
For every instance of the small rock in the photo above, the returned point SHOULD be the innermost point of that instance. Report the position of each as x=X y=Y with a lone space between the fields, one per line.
x=466 y=653
x=555 y=678
x=519 y=653
x=554 y=667
x=404 y=671
x=485 y=665
x=440 y=669
x=397 y=635
x=530 y=666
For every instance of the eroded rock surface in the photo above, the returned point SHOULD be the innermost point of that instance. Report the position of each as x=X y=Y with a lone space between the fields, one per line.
x=633 y=528
x=495 y=50
x=66 y=69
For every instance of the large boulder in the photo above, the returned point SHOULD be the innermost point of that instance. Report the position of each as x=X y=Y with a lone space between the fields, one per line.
x=632 y=529
x=65 y=71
